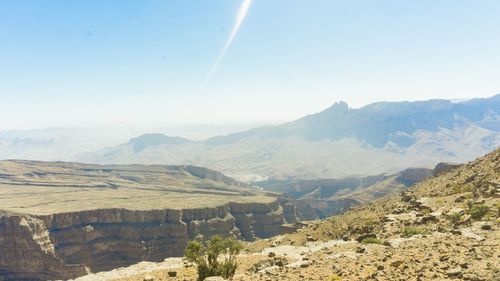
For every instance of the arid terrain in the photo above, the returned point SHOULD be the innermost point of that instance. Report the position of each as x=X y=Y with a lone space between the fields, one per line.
x=444 y=228
x=47 y=188
x=63 y=220
x=249 y=140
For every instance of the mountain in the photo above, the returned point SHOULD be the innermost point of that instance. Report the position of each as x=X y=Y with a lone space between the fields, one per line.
x=381 y=123
x=383 y=137
x=142 y=142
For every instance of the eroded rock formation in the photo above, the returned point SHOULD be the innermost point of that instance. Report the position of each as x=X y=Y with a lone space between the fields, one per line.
x=62 y=220
x=66 y=245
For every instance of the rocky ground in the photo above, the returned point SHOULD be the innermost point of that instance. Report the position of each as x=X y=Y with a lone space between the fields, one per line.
x=444 y=228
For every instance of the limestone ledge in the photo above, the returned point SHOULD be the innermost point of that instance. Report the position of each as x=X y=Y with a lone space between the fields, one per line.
x=67 y=245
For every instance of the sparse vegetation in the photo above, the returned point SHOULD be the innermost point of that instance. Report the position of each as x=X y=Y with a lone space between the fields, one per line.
x=409 y=231
x=372 y=240
x=454 y=217
x=478 y=211
x=215 y=258
x=469 y=204
x=335 y=277
x=462 y=188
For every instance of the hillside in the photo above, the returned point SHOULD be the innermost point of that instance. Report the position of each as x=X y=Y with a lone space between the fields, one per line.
x=335 y=143
x=446 y=227
x=328 y=197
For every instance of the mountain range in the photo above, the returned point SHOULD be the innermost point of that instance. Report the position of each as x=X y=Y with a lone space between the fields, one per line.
x=383 y=137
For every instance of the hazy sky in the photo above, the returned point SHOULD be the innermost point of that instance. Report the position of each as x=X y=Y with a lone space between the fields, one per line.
x=73 y=63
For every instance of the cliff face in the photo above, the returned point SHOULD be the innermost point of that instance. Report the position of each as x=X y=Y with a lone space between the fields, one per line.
x=27 y=252
x=59 y=220
x=412 y=176
x=315 y=199
x=66 y=245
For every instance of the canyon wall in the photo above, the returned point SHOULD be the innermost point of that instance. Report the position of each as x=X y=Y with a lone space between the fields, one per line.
x=66 y=245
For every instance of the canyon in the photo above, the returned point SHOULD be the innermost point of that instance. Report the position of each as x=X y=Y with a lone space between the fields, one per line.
x=322 y=198
x=75 y=219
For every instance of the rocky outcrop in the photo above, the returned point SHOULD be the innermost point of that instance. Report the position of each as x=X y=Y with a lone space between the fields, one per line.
x=27 y=252
x=442 y=168
x=412 y=176
x=204 y=173
x=66 y=245
x=258 y=220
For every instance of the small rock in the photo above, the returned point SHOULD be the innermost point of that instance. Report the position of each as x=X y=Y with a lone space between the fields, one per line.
x=456 y=211
x=365 y=236
x=427 y=218
x=172 y=273
x=396 y=263
x=279 y=263
x=472 y=277
x=465 y=218
x=469 y=234
x=457 y=271
x=360 y=250
x=148 y=278
x=304 y=264
x=214 y=278
x=486 y=227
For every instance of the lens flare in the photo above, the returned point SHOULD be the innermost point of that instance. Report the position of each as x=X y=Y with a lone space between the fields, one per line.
x=240 y=16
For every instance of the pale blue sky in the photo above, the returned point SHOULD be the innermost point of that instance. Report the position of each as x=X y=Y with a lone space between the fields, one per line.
x=74 y=63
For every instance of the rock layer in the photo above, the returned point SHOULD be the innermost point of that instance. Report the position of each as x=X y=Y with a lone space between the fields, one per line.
x=67 y=245
x=61 y=220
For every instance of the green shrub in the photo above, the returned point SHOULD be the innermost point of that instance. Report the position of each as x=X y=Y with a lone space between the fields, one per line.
x=335 y=277
x=215 y=258
x=371 y=240
x=469 y=204
x=412 y=230
x=478 y=211
x=454 y=217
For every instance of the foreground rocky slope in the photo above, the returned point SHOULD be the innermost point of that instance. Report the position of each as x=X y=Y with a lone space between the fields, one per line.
x=444 y=228
x=63 y=220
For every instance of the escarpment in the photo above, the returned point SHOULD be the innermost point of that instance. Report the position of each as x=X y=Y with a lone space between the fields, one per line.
x=27 y=253
x=60 y=221
x=67 y=245
x=322 y=198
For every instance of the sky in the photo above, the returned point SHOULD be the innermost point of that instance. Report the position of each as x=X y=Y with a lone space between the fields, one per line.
x=159 y=63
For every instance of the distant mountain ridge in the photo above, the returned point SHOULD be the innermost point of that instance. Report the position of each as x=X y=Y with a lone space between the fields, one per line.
x=383 y=137
x=381 y=122
x=142 y=142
